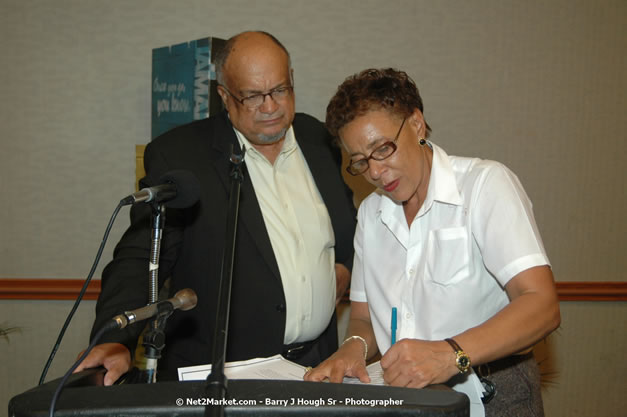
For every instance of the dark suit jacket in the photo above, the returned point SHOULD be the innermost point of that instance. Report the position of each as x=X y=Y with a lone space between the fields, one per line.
x=193 y=245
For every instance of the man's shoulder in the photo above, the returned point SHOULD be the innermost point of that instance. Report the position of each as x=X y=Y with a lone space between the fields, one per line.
x=310 y=130
x=306 y=119
x=198 y=130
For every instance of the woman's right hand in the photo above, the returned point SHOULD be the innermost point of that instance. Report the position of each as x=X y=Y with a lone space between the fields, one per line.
x=347 y=361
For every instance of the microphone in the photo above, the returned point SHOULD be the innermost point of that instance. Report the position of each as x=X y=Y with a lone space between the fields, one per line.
x=178 y=189
x=183 y=300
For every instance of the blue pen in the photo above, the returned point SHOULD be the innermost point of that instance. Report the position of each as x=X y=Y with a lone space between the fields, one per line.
x=393 y=326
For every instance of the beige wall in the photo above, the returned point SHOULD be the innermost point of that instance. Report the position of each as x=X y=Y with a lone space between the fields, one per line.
x=538 y=85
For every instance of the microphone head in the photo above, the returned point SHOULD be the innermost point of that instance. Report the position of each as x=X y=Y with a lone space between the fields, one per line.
x=187 y=188
x=186 y=299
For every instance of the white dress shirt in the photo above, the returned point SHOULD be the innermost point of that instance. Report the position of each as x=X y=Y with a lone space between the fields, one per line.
x=301 y=234
x=446 y=273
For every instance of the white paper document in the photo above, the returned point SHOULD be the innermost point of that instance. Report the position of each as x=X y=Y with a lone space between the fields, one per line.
x=374 y=371
x=274 y=367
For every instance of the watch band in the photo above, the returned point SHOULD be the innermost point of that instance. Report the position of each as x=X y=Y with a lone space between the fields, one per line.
x=454 y=345
x=462 y=360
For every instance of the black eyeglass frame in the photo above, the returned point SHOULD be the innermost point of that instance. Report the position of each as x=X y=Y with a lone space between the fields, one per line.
x=392 y=144
x=242 y=101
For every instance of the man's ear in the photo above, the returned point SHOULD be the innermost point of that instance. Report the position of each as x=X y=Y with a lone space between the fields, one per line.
x=223 y=95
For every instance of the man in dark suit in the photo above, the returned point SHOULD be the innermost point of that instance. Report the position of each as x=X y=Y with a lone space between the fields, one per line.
x=293 y=248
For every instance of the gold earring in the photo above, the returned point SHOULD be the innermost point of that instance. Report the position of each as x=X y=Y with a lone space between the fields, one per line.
x=422 y=141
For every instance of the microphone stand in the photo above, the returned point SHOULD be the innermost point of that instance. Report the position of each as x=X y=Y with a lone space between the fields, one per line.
x=217 y=381
x=154 y=342
x=154 y=339
x=158 y=220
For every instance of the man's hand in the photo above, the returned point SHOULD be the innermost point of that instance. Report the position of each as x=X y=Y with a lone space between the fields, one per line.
x=115 y=357
x=342 y=281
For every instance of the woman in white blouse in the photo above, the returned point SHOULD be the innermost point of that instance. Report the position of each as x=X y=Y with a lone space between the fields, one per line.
x=451 y=244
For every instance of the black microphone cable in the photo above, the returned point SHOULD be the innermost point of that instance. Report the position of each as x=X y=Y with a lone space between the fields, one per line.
x=110 y=325
x=81 y=294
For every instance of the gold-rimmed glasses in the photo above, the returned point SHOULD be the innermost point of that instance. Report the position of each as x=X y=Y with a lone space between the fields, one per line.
x=380 y=153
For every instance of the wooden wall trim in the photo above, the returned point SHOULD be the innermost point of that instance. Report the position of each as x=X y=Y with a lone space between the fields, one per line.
x=46 y=289
x=68 y=289
x=592 y=291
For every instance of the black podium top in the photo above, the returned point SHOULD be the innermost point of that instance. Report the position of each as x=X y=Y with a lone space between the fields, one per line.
x=260 y=398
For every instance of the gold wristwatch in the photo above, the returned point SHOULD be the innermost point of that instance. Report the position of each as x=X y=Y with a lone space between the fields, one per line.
x=462 y=360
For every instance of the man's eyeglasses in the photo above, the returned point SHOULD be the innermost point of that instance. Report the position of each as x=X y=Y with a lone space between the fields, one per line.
x=255 y=100
x=379 y=154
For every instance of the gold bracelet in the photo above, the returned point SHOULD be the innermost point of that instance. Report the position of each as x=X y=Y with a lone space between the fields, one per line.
x=363 y=341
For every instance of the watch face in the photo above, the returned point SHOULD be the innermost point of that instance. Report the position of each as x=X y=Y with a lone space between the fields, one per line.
x=463 y=361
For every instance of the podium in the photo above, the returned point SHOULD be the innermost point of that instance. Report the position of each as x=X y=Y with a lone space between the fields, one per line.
x=85 y=395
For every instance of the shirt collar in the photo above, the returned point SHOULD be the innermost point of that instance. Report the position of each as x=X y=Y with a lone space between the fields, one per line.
x=442 y=183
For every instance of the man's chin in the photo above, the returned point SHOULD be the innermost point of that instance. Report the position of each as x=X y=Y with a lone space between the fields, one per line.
x=268 y=139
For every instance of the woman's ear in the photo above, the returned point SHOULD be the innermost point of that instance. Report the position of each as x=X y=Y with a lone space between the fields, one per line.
x=418 y=121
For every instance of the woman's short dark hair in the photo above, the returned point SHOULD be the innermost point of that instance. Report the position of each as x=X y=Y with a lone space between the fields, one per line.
x=370 y=90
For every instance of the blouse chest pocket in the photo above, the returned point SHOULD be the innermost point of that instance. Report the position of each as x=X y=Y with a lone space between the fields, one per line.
x=448 y=260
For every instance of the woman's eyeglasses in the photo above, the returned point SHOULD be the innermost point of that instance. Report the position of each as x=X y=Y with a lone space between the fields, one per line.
x=379 y=154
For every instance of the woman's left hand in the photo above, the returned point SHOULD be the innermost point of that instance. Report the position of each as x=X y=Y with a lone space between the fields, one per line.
x=417 y=363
